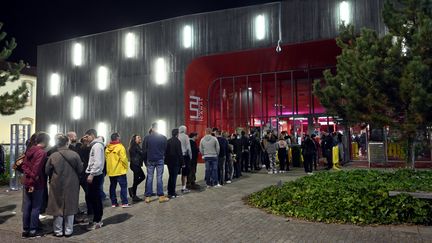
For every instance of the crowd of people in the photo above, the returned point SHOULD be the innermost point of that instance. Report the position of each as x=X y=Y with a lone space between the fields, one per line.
x=53 y=175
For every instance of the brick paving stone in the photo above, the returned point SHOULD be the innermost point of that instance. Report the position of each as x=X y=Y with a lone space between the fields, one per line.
x=213 y=215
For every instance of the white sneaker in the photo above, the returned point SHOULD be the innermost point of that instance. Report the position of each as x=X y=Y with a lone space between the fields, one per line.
x=282 y=171
x=310 y=173
x=269 y=172
x=99 y=225
x=41 y=216
x=218 y=186
x=228 y=182
x=275 y=172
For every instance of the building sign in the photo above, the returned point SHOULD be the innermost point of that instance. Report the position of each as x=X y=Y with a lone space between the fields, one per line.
x=196 y=108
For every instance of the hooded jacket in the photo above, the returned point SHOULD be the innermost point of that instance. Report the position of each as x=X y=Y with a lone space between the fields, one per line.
x=96 y=162
x=209 y=146
x=185 y=144
x=33 y=167
x=116 y=159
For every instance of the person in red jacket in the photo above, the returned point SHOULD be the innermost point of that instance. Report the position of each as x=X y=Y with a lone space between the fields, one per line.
x=34 y=185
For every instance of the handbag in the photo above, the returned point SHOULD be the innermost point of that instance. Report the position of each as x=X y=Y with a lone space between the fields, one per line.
x=19 y=163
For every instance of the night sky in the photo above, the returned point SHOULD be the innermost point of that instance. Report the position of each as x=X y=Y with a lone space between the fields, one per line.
x=37 y=22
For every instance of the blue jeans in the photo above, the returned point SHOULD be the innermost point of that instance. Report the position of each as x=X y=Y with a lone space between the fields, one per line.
x=32 y=202
x=151 y=166
x=211 y=170
x=122 y=180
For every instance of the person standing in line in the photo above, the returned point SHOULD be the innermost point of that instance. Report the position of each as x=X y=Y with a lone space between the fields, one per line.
x=328 y=149
x=282 y=154
x=245 y=152
x=308 y=149
x=34 y=184
x=222 y=157
x=85 y=155
x=229 y=168
x=271 y=146
x=174 y=159
x=64 y=168
x=209 y=148
x=236 y=142
x=254 y=151
x=155 y=147
x=117 y=167
x=315 y=157
x=136 y=156
x=264 y=155
x=77 y=147
x=191 y=181
x=94 y=172
x=187 y=156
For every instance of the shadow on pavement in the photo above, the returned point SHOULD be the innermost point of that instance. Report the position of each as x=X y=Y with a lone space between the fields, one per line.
x=4 y=218
x=10 y=207
x=4 y=209
x=117 y=219
x=80 y=229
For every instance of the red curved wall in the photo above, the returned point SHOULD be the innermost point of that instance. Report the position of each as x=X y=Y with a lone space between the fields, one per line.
x=204 y=70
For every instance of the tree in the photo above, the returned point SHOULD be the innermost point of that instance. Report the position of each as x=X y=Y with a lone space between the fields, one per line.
x=385 y=80
x=11 y=102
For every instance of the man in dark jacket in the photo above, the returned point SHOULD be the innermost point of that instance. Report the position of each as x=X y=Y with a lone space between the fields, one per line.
x=308 y=150
x=237 y=144
x=154 y=148
x=327 y=145
x=245 y=152
x=191 y=181
x=254 y=151
x=223 y=153
x=174 y=159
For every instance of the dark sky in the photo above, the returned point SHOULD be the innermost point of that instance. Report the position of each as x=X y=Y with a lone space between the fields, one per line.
x=37 y=22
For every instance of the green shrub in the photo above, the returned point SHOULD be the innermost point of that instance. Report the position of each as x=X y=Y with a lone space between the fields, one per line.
x=357 y=196
x=4 y=178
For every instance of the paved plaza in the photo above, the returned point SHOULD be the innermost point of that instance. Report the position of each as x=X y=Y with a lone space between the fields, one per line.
x=212 y=215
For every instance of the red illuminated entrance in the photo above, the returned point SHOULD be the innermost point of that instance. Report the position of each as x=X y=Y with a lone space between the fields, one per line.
x=258 y=88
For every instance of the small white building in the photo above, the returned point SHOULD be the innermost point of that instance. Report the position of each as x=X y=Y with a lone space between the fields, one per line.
x=27 y=115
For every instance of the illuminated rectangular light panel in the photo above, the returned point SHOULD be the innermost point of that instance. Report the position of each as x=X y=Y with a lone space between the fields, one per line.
x=77 y=108
x=161 y=75
x=102 y=130
x=260 y=27
x=130 y=45
x=344 y=12
x=129 y=104
x=77 y=54
x=102 y=78
x=52 y=131
x=162 y=127
x=54 y=87
x=187 y=36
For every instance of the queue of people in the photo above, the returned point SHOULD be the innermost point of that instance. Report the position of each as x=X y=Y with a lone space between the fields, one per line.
x=72 y=164
x=53 y=175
